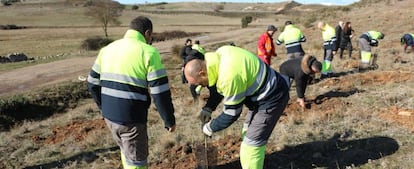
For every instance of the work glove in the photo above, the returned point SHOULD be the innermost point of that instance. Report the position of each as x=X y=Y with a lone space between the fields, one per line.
x=207 y=130
x=205 y=115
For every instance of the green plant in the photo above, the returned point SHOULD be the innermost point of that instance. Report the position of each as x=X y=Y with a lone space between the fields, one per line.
x=95 y=43
x=175 y=50
x=218 y=8
x=135 y=7
x=246 y=20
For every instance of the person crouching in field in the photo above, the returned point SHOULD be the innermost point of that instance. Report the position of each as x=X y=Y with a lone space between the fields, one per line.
x=366 y=41
x=408 y=41
x=300 y=70
x=243 y=79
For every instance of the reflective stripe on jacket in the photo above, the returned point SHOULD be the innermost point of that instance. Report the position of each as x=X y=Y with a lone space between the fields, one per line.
x=372 y=37
x=292 y=37
x=121 y=76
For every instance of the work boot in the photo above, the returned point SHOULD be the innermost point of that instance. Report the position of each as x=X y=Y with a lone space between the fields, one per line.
x=323 y=76
x=373 y=67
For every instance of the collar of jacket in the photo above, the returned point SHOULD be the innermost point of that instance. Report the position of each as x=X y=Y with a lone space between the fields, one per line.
x=212 y=60
x=325 y=27
x=306 y=64
x=289 y=26
x=135 y=34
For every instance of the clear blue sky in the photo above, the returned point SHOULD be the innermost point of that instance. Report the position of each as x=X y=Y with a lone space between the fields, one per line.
x=326 y=2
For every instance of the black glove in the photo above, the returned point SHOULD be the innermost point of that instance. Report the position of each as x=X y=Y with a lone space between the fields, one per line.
x=205 y=115
x=373 y=42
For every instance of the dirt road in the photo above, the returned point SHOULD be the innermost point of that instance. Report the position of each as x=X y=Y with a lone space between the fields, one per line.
x=31 y=77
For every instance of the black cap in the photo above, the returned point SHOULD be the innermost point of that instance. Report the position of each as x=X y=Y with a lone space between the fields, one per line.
x=271 y=28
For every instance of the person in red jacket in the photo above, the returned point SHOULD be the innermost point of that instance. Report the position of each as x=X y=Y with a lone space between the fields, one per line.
x=265 y=46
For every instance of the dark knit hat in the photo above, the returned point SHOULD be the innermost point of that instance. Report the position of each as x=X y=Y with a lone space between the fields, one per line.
x=187 y=40
x=288 y=23
x=271 y=28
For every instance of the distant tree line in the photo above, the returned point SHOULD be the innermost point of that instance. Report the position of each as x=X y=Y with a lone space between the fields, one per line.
x=8 y=2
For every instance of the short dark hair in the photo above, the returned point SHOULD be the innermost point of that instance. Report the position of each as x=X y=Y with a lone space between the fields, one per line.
x=197 y=42
x=271 y=28
x=317 y=65
x=188 y=40
x=288 y=23
x=141 y=24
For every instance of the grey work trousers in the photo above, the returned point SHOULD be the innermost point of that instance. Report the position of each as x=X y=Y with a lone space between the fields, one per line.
x=133 y=141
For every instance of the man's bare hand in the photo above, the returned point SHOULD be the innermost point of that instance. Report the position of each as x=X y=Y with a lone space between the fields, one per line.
x=171 y=129
x=301 y=102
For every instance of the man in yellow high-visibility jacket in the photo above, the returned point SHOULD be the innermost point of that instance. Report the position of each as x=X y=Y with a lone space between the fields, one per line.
x=366 y=41
x=329 y=48
x=292 y=37
x=124 y=75
x=241 y=78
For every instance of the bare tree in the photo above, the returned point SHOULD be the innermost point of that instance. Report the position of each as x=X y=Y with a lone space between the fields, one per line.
x=105 y=12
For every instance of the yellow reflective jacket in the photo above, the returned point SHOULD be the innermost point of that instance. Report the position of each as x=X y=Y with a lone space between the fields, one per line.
x=243 y=79
x=292 y=37
x=329 y=37
x=121 y=76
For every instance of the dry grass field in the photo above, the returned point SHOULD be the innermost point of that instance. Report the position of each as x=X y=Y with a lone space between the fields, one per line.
x=362 y=120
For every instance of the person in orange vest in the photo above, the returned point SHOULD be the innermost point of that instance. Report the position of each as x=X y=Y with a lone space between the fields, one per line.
x=265 y=46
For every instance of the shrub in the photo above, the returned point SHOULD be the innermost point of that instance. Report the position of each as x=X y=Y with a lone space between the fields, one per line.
x=175 y=50
x=41 y=104
x=5 y=2
x=308 y=20
x=245 y=21
x=135 y=7
x=167 y=35
x=218 y=8
x=95 y=43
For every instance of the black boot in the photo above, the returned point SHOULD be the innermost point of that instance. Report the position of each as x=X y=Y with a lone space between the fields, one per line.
x=324 y=76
